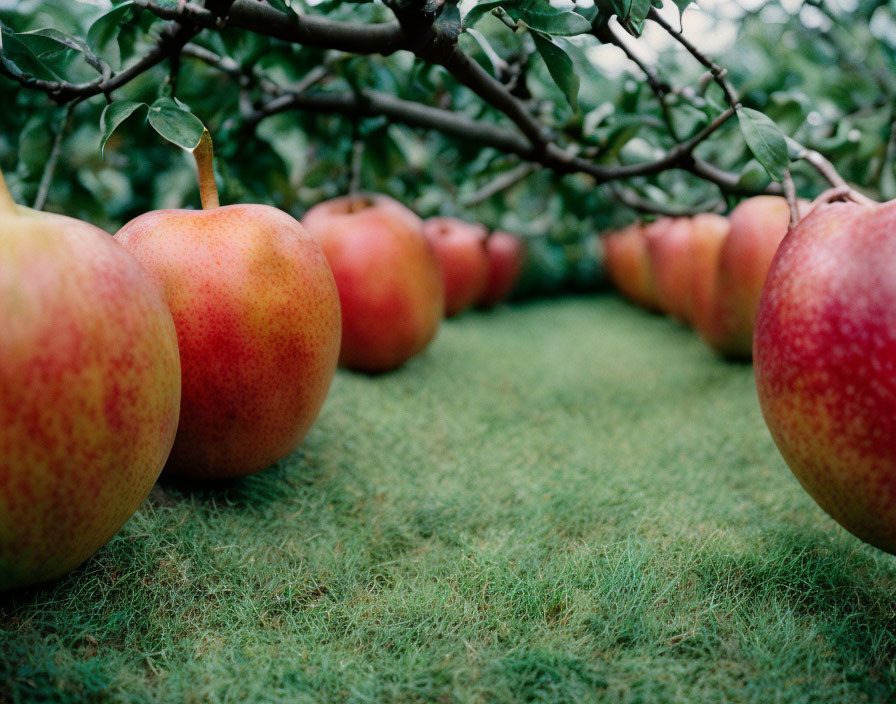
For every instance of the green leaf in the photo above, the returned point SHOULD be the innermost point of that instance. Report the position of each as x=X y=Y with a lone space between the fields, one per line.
x=753 y=176
x=479 y=11
x=57 y=49
x=765 y=140
x=178 y=126
x=560 y=67
x=552 y=20
x=113 y=115
x=21 y=57
x=103 y=33
x=35 y=145
x=632 y=13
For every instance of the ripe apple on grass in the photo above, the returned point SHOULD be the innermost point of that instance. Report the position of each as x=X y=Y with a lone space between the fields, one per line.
x=628 y=264
x=460 y=247
x=671 y=262
x=708 y=233
x=825 y=361
x=258 y=325
x=505 y=255
x=89 y=391
x=388 y=277
x=758 y=225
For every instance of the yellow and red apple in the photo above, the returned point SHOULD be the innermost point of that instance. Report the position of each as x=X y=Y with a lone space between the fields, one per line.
x=89 y=391
x=258 y=326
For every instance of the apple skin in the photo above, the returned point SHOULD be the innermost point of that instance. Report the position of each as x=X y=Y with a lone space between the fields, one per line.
x=90 y=379
x=825 y=361
x=460 y=247
x=388 y=276
x=669 y=253
x=628 y=265
x=758 y=225
x=505 y=255
x=258 y=326
x=708 y=233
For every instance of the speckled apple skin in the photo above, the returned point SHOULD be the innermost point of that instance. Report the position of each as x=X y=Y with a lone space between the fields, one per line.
x=89 y=392
x=460 y=247
x=825 y=360
x=390 y=285
x=258 y=325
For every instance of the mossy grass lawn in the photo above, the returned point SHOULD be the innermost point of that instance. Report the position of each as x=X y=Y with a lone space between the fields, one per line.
x=563 y=501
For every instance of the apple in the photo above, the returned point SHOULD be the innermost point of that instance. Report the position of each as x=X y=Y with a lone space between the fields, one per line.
x=460 y=248
x=825 y=362
x=671 y=261
x=505 y=255
x=258 y=325
x=758 y=225
x=388 y=277
x=708 y=233
x=628 y=265
x=90 y=379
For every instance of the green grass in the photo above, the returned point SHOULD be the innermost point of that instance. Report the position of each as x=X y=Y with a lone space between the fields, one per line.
x=566 y=501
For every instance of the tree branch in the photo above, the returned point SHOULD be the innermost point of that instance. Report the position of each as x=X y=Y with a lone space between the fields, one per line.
x=642 y=205
x=172 y=37
x=46 y=178
x=719 y=74
x=502 y=182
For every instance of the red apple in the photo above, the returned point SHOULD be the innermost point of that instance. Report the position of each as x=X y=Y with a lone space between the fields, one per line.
x=388 y=277
x=258 y=326
x=708 y=233
x=90 y=381
x=757 y=227
x=671 y=261
x=628 y=265
x=505 y=254
x=459 y=246
x=825 y=360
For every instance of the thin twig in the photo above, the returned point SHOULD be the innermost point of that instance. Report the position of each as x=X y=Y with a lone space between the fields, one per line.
x=719 y=74
x=790 y=194
x=46 y=179
x=642 y=205
x=506 y=180
x=357 y=157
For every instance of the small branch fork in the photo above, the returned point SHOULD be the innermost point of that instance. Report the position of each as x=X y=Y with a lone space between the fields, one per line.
x=415 y=31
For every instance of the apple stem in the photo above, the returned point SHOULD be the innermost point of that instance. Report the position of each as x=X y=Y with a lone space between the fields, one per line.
x=204 y=156
x=6 y=201
x=792 y=202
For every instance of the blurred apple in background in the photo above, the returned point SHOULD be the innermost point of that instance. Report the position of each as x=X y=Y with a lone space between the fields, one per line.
x=708 y=232
x=758 y=225
x=460 y=247
x=671 y=262
x=628 y=265
x=388 y=277
x=505 y=254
